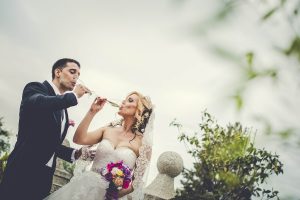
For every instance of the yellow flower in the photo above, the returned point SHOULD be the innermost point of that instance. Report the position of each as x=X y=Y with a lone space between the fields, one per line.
x=119 y=172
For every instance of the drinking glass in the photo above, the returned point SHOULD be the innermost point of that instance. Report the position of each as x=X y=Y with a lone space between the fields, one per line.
x=112 y=102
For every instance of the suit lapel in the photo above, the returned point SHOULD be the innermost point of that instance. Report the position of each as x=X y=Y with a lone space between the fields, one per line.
x=66 y=125
x=56 y=114
x=57 y=117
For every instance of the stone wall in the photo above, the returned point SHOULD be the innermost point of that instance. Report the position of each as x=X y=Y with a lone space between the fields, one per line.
x=61 y=176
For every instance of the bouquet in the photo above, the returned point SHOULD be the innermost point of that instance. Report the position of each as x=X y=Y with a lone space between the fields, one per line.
x=119 y=177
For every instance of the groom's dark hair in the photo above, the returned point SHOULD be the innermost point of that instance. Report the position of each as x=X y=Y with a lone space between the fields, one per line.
x=61 y=63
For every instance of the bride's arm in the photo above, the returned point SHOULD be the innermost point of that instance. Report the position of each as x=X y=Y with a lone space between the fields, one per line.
x=82 y=136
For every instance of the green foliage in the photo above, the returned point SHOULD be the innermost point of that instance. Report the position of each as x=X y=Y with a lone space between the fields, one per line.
x=273 y=10
x=3 y=161
x=4 y=148
x=284 y=133
x=251 y=69
x=238 y=99
x=227 y=165
x=250 y=73
x=294 y=48
x=4 y=136
x=68 y=167
x=270 y=13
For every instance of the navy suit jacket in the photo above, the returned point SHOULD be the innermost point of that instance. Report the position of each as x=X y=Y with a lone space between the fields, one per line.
x=39 y=135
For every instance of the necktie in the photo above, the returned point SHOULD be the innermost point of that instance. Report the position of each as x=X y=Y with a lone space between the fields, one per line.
x=62 y=115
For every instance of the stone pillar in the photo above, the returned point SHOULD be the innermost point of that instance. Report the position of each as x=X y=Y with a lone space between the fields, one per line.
x=170 y=165
x=61 y=176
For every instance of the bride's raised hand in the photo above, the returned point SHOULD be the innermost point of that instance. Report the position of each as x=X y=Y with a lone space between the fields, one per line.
x=97 y=105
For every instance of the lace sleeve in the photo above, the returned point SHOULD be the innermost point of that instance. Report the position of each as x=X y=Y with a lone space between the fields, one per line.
x=140 y=172
x=86 y=154
x=85 y=160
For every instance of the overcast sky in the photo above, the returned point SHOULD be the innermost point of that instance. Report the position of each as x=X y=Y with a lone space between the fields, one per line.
x=144 y=46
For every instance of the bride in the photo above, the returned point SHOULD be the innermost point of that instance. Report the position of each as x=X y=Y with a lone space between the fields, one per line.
x=128 y=140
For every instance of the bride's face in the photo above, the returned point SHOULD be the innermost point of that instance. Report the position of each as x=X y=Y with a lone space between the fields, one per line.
x=129 y=106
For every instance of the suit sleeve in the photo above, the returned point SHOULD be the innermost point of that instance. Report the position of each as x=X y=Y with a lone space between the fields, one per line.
x=36 y=96
x=65 y=153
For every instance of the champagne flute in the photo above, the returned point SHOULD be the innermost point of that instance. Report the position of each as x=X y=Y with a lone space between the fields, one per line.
x=113 y=104
x=92 y=92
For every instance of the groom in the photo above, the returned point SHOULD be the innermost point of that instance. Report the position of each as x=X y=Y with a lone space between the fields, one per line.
x=43 y=124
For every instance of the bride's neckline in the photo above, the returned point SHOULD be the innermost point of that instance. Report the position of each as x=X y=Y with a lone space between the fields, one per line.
x=119 y=147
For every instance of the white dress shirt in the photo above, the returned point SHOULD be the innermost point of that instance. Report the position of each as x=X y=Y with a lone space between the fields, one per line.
x=63 y=123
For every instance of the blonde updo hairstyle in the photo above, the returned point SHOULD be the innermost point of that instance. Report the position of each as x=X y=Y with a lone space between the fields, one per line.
x=143 y=104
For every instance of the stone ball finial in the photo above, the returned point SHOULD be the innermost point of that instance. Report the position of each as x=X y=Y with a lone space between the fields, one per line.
x=170 y=163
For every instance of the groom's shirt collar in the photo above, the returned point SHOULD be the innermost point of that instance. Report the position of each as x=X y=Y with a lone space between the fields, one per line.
x=54 y=88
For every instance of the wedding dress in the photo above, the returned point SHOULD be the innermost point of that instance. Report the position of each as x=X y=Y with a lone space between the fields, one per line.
x=90 y=185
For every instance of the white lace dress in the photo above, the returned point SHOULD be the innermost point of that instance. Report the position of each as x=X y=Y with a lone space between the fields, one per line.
x=90 y=185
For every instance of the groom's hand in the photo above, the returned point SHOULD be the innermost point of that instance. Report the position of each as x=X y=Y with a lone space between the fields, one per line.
x=78 y=153
x=91 y=153
x=80 y=90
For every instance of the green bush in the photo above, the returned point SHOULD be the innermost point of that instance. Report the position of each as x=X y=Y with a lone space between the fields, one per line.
x=227 y=165
x=3 y=161
x=4 y=148
x=69 y=167
x=4 y=137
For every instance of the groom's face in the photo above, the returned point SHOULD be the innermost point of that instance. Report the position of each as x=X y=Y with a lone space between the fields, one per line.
x=68 y=76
